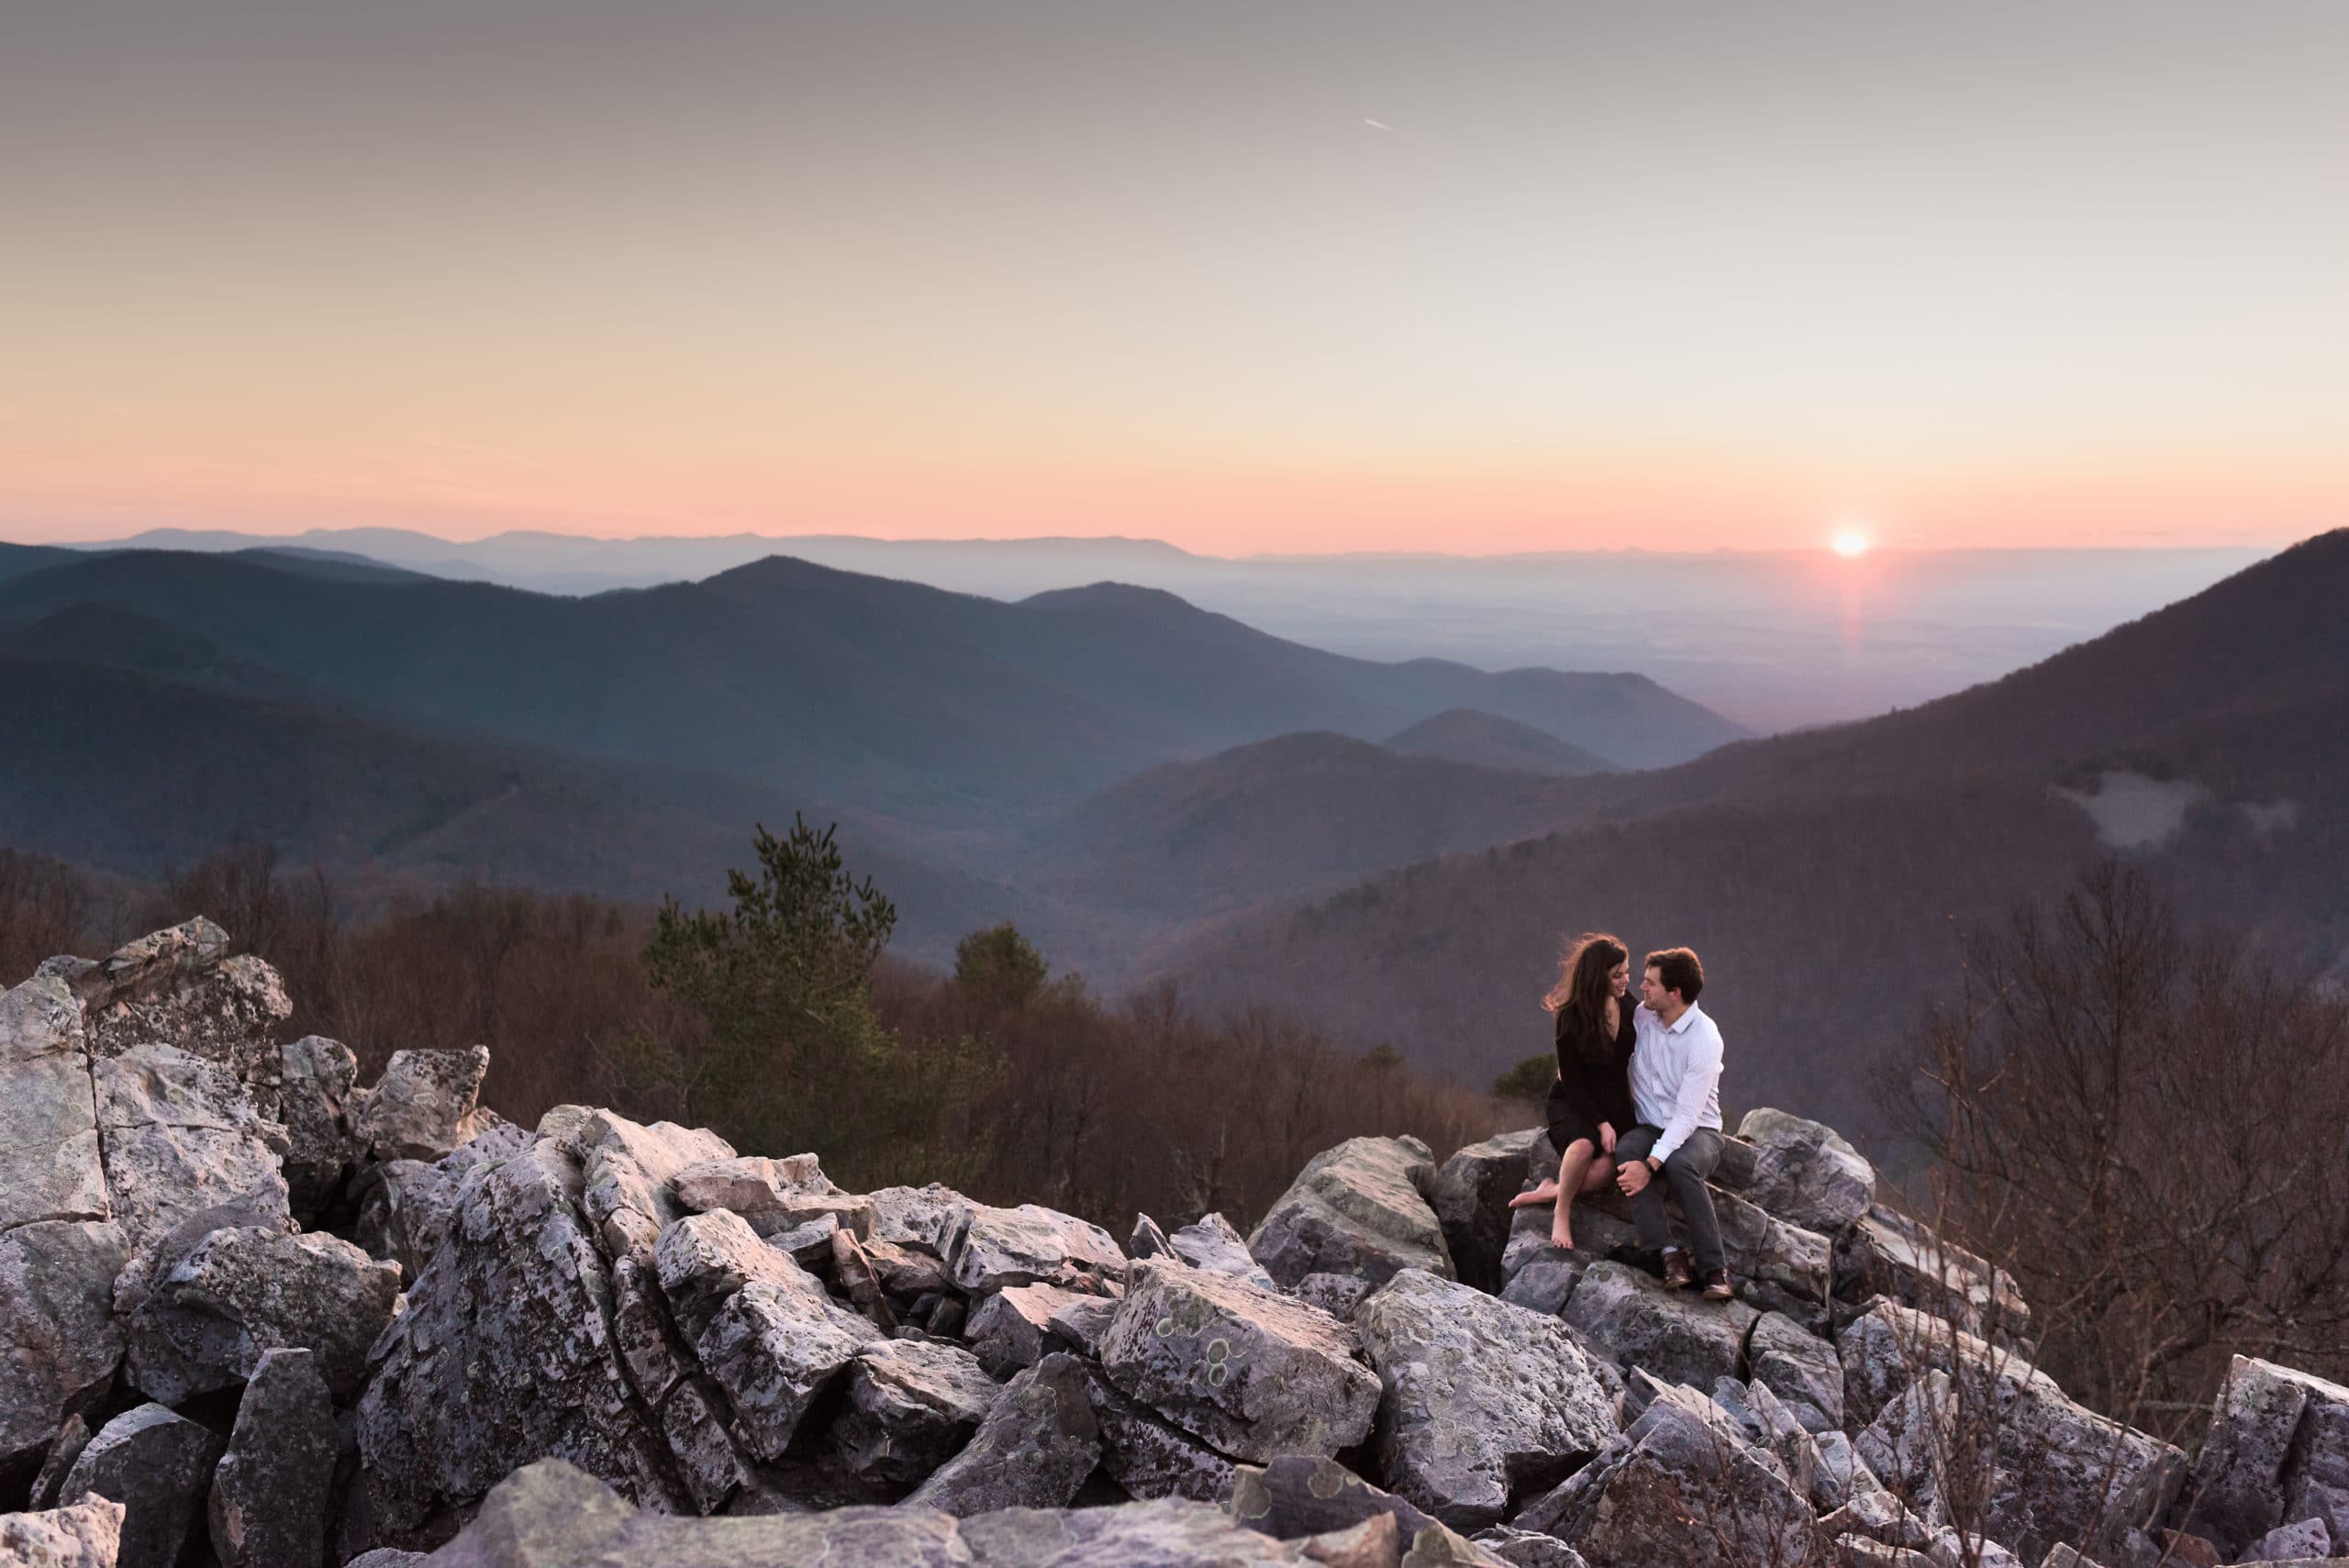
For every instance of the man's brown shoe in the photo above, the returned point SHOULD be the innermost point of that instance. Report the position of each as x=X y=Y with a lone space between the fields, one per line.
x=1676 y=1275
x=1718 y=1287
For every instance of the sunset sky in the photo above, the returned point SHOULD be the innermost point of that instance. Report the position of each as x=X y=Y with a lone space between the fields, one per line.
x=1257 y=276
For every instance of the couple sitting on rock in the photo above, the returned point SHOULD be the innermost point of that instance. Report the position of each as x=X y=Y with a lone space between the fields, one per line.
x=1637 y=1096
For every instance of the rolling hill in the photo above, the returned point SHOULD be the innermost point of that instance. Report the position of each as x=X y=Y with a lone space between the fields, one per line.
x=1488 y=740
x=945 y=707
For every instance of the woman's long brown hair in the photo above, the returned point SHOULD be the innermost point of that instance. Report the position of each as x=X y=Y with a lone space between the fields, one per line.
x=1579 y=998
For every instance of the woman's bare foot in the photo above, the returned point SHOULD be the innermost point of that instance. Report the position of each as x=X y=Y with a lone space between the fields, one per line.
x=1546 y=1192
x=1560 y=1233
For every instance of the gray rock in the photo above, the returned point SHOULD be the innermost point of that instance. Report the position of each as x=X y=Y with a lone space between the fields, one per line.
x=774 y=1195
x=1528 y=1548
x=1799 y=1368
x=1859 y=1551
x=2278 y=1450
x=270 y=1490
x=387 y=1557
x=1174 y=1532
x=921 y=1216
x=1682 y=1488
x=1337 y=1294
x=1884 y=1253
x=1675 y=1335
x=1212 y=1244
x=1951 y=1548
x=808 y=1245
x=1251 y=1372
x=179 y=1135
x=72 y=1436
x=1017 y=1327
x=404 y=1206
x=156 y=1464
x=911 y=1405
x=87 y=1535
x=62 y=1343
x=505 y=1353
x=1149 y=1240
x=2311 y=1538
x=1471 y=1201
x=906 y=1272
x=1361 y=1210
x=773 y=1349
x=1481 y=1401
x=1805 y=1172
x=628 y=1168
x=180 y=986
x=705 y=1258
x=1545 y=1283
x=424 y=1106
x=1150 y=1458
x=1038 y=1443
x=50 y=1165
x=990 y=1248
x=2063 y=1472
x=310 y=1082
x=202 y=1311
x=1299 y=1496
x=1773 y=1427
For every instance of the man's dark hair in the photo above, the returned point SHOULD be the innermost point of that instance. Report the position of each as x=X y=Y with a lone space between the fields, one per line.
x=1677 y=968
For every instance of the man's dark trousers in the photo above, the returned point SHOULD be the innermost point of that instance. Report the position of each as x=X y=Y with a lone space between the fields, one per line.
x=1685 y=1169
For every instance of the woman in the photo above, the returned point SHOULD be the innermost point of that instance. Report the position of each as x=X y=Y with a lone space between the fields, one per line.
x=1591 y=1101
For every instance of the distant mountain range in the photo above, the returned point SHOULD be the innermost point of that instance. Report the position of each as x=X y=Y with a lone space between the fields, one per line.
x=1772 y=639
x=1828 y=877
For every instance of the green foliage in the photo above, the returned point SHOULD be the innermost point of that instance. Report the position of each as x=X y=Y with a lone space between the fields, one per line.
x=1529 y=1080
x=794 y=1057
x=999 y=967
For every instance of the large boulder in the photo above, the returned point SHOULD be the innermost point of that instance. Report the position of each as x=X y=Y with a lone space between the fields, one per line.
x=1212 y=1244
x=1801 y=1368
x=911 y=1405
x=2063 y=1473
x=629 y=1170
x=1682 y=1488
x=774 y=1349
x=426 y=1104
x=306 y=1086
x=404 y=1206
x=704 y=1259
x=505 y=1353
x=1249 y=1372
x=1017 y=1327
x=1885 y=1253
x=62 y=1342
x=1674 y=1335
x=773 y=1196
x=1361 y=1210
x=180 y=985
x=270 y=1490
x=1471 y=1201
x=202 y=1309
x=2277 y=1452
x=157 y=1465
x=181 y=1134
x=1038 y=1443
x=1805 y=1172
x=87 y=1535
x=1483 y=1401
x=49 y=1162
x=1149 y=1457
x=989 y=1248
x=1301 y=1498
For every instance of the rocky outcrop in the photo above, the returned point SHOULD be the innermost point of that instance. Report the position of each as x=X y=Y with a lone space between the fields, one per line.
x=2277 y=1452
x=1481 y=1401
x=50 y=1165
x=1248 y=1372
x=773 y=1196
x=1212 y=1244
x=56 y=1320
x=1038 y=1443
x=156 y=1464
x=1805 y=1173
x=181 y=1135
x=425 y=1104
x=911 y=1407
x=87 y=1535
x=1360 y=1209
x=1672 y=1334
x=1885 y=1253
x=1305 y=1498
x=1471 y=1202
x=272 y=1489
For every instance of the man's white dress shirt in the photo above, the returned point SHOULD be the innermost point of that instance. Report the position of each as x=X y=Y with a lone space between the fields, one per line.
x=1676 y=1076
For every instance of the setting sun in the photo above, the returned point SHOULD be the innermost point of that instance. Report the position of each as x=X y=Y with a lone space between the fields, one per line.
x=1850 y=543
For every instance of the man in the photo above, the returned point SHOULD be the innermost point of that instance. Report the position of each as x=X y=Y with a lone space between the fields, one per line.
x=1676 y=1088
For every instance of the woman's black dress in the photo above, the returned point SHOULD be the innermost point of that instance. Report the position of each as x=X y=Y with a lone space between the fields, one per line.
x=1594 y=1085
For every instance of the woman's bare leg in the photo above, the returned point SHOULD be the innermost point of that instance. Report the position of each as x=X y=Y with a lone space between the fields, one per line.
x=1601 y=1173
x=1573 y=1168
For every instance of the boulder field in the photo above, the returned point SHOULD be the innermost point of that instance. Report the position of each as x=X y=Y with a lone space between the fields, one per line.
x=257 y=1313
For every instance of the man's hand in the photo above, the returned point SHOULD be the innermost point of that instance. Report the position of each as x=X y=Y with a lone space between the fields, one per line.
x=1633 y=1177
x=1607 y=1138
